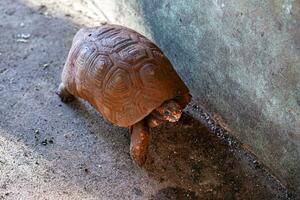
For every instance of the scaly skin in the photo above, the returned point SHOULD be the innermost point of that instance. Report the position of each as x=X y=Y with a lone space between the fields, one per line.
x=169 y=111
x=140 y=140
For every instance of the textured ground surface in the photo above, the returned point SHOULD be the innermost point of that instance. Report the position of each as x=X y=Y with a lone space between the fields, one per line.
x=49 y=150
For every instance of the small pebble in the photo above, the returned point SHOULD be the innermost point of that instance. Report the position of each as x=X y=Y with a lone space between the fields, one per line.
x=44 y=142
x=138 y=191
x=42 y=9
x=10 y=12
x=22 y=40
x=45 y=65
x=23 y=36
x=2 y=70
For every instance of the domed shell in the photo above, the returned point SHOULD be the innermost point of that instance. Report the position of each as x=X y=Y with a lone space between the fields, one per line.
x=121 y=73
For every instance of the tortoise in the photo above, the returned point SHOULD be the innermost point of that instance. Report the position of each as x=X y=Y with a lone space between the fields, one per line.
x=127 y=78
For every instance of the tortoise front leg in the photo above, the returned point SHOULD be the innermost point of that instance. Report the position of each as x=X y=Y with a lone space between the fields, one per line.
x=140 y=140
x=154 y=121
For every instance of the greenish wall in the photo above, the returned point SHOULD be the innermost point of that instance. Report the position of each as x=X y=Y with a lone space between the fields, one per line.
x=241 y=60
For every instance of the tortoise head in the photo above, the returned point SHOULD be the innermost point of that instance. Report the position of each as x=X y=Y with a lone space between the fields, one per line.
x=170 y=111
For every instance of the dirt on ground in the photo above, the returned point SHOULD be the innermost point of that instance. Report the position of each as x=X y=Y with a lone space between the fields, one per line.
x=52 y=150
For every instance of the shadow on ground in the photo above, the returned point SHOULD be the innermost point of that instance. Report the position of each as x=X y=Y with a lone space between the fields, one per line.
x=191 y=157
x=49 y=150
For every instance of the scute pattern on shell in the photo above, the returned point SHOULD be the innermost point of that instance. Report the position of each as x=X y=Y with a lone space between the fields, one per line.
x=120 y=72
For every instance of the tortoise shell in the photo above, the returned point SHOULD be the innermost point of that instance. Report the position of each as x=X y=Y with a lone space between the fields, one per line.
x=121 y=73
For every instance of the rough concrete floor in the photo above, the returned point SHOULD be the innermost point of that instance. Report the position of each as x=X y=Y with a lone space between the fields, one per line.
x=50 y=150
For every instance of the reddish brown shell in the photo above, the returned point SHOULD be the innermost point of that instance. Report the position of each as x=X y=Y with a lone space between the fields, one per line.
x=121 y=73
